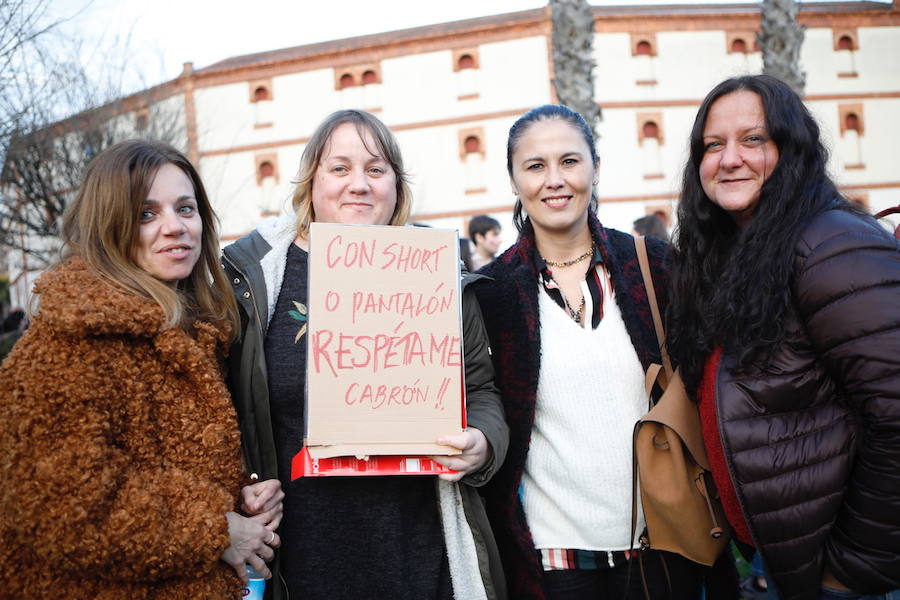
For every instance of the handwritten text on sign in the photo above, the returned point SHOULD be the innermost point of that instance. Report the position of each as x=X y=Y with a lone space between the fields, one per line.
x=385 y=350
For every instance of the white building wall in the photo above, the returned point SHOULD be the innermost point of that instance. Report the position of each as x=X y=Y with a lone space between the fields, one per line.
x=419 y=97
x=875 y=143
x=438 y=172
x=878 y=58
x=300 y=102
x=515 y=74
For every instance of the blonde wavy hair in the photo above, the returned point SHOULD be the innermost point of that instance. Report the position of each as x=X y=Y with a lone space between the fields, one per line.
x=386 y=147
x=102 y=226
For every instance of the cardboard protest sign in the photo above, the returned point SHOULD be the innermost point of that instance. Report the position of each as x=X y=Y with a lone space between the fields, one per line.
x=384 y=360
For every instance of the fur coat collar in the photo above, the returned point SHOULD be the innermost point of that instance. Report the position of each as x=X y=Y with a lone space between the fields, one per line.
x=81 y=304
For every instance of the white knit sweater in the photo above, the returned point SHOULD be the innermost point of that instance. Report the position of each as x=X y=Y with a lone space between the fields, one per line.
x=577 y=485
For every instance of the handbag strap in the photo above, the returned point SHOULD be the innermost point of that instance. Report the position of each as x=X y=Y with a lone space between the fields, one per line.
x=641 y=245
x=893 y=210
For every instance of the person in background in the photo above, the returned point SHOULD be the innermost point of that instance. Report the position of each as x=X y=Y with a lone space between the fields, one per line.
x=414 y=537
x=465 y=253
x=784 y=319
x=572 y=335
x=11 y=330
x=484 y=231
x=651 y=225
x=119 y=446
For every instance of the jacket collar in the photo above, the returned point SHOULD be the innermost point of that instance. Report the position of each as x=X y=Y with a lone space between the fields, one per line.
x=263 y=253
x=76 y=301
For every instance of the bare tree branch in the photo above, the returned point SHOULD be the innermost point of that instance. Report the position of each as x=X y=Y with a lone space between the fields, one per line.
x=55 y=116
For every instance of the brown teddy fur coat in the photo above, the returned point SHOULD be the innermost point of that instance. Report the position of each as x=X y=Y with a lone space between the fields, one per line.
x=119 y=451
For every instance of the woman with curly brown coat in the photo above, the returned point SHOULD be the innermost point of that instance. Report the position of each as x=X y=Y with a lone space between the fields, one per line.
x=119 y=448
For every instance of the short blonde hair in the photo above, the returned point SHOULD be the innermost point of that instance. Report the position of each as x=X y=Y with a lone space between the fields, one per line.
x=387 y=148
x=101 y=225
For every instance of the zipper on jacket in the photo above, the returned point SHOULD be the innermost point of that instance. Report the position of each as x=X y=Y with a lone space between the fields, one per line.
x=245 y=451
x=252 y=296
x=727 y=454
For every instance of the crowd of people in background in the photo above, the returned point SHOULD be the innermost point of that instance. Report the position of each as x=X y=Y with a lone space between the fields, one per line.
x=150 y=411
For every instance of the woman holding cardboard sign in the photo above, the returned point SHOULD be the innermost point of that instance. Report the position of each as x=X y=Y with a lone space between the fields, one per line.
x=786 y=324
x=571 y=332
x=356 y=537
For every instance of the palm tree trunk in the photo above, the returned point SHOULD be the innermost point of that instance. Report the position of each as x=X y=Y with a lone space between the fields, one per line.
x=781 y=39
x=573 y=59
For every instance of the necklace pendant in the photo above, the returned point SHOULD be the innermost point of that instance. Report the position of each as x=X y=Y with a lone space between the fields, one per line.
x=575 y=314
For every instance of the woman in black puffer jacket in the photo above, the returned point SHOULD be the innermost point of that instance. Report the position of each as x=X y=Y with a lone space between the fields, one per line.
x=785 y=318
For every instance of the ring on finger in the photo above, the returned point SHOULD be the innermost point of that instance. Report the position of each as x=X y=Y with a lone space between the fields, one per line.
x=271 y=539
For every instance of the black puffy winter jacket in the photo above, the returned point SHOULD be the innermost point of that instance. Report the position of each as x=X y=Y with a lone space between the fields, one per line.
x=813 y=446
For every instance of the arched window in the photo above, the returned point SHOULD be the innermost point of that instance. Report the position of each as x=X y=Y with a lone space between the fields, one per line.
x=643 y=51
x=260 y=96
x=851 y=146
x=852 y=130
x=346 y=81
x=845 y=46
x=465 y=62
x=466 y=67
x=267 y=180
x=650 y=138
x=471 y=151
x=371 y=90
x=739 y=46
x=266 y=169
x=651 y=130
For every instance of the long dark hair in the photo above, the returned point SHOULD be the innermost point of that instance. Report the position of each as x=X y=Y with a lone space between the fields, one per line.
x=730 y=287
x=547 y=112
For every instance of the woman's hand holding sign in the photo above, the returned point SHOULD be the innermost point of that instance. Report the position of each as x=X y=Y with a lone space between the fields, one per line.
x=476 y=452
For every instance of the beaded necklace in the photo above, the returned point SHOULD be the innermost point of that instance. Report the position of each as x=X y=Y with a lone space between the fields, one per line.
x=569 y=263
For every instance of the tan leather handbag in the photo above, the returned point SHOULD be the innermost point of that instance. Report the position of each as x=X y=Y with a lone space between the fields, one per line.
x=680 y=501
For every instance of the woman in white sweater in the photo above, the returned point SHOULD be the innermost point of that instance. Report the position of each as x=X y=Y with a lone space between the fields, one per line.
x=571 y=333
